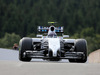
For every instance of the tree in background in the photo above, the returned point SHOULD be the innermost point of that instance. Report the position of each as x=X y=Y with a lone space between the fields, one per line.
x=9 y=40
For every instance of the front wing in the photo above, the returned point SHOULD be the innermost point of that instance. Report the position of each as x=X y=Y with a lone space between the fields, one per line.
x=40 y=55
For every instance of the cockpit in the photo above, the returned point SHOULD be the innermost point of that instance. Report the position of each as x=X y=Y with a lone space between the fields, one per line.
x=52 y=35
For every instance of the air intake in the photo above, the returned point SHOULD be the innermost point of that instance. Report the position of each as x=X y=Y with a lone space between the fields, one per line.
x=52 y=28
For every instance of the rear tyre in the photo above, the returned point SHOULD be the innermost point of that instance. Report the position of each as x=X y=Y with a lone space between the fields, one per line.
x=24 y=45
x=80 y=46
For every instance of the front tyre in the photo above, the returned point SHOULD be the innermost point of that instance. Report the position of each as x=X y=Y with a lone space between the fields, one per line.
x=24 y=45
x=80 y=46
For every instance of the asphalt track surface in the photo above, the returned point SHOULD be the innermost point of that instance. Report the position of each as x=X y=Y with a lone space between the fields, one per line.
x=10 y=65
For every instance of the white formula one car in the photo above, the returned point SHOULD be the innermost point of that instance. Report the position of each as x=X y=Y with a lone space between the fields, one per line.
x=52 y=47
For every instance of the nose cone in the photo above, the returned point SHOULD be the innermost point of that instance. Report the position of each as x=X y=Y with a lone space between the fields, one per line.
x=54 y=45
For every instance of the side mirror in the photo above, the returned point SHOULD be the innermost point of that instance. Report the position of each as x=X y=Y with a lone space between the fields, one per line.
x=39 y=36
x=65 y=36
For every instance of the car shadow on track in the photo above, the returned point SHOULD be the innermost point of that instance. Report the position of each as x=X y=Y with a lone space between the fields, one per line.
x=47 y=61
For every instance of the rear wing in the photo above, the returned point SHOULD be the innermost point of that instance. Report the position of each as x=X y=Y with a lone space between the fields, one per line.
x=42 y=29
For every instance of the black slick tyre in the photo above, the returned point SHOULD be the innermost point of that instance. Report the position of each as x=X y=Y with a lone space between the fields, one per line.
x=24 y=45
x=80 y=46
